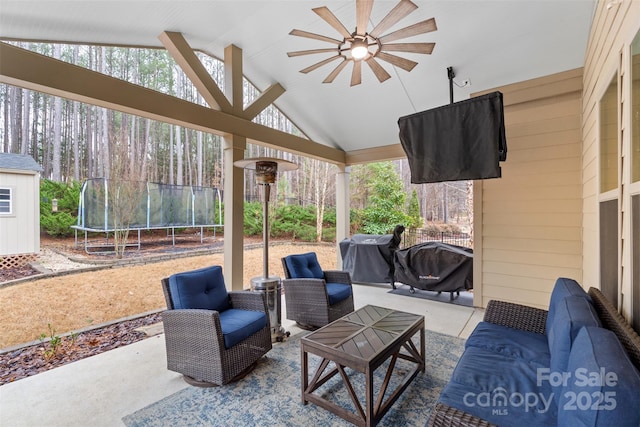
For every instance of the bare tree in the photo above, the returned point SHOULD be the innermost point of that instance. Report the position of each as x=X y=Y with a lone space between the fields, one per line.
x=321 y=178
x=56 y=120
x=125 y=194
x=26 y=109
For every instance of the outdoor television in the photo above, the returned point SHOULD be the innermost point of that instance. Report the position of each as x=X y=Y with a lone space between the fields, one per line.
x=460 y=141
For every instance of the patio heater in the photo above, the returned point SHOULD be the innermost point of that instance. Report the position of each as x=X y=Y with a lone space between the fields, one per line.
x=266 y=169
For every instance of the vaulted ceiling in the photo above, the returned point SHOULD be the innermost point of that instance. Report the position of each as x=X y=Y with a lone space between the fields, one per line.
x=490 y=43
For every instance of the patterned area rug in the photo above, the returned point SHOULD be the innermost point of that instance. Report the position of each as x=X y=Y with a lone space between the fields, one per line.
x=271 y=396
x=465 y=298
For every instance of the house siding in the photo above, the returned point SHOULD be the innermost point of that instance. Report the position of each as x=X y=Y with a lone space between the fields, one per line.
x=608 y=56
x=528 y=224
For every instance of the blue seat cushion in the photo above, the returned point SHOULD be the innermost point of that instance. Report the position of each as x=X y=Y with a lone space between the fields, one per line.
x=199 y=289
x=304 y=266
x=572 y=314
x=238 y=325
x=500 y=389
x=563 y=288
x=338 y=292
x=510 y=342
x=603 y=388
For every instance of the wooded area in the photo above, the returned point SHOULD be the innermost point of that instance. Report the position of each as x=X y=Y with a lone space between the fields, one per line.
x=76 y=141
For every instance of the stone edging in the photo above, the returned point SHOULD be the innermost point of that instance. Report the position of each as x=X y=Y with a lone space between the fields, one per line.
x=79 y=331
x=96 y=265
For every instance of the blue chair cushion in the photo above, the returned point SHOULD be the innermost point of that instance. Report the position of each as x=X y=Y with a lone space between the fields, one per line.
x=238 y=325
x=510 y=342
x=572 y=314
x=199 y=289
x=603 y=387
x=563 y=288
x=338 y=292
x=304 y=266
x=500 y=389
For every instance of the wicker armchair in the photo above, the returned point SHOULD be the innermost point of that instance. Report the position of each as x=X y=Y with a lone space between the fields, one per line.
x=212 y=336
x=314 y=297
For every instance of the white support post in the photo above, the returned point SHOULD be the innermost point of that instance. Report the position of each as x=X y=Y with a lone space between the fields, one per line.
x=342 y=208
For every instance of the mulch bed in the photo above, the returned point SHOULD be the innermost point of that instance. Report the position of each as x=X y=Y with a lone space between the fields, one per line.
x=17 y=273
x=38 y=358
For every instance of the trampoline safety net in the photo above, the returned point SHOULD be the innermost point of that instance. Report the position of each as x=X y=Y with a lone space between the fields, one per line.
x=155 y=205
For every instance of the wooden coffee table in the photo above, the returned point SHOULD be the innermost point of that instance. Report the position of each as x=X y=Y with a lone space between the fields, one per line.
x=362 y=341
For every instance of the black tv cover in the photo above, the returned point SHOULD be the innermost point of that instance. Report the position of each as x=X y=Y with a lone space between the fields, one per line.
x=460 y=141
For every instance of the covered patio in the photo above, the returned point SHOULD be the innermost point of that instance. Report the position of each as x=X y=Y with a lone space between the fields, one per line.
x=567 y=204
x=552 y=62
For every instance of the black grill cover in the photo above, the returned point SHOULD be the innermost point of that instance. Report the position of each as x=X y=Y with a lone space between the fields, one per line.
x=460 y=141
x=369 y=258
x=435 y=266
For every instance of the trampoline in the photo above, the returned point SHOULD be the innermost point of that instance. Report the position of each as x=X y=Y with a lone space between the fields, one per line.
x=157 y=206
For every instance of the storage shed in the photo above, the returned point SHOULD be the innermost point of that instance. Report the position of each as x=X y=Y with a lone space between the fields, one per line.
x=19 y=210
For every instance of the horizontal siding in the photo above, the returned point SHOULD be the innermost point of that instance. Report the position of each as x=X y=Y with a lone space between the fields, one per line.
x=533 y=245
x=530 y=205
x=550 y=233
x=532 y=216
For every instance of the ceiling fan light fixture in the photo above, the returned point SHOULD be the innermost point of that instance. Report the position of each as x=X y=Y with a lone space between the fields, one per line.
x=367 y=46
x=359 y=49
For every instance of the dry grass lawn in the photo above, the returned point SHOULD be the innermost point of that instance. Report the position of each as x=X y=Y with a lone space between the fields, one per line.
x=75 y=301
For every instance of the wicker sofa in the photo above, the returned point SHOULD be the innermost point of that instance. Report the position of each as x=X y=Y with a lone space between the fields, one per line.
x=576 y=364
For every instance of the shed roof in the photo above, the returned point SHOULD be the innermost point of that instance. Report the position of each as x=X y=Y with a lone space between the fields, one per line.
x=19 y=162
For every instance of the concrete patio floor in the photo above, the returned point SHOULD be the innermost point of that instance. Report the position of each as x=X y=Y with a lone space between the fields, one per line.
x=100 y=390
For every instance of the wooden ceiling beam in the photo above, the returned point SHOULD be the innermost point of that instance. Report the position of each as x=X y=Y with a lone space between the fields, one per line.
x=184 y=56
x=266 y=98
x=22 y=68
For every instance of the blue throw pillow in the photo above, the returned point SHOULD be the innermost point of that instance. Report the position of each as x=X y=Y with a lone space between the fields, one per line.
x=304 y=266
x=199 y=289
x=603 y=386
x=572 y=314
x=563 y=288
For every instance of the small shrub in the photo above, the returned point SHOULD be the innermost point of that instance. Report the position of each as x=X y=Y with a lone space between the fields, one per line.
x=54 y=343
x=252 y=218
x=59 y=223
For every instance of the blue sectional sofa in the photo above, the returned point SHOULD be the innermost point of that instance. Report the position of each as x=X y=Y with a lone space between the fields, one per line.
x=576 y=364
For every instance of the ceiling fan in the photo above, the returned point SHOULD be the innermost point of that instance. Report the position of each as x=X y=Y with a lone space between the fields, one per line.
x=362 y=46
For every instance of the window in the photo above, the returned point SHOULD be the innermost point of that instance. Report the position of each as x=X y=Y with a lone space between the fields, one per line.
x=609 y=138
x=608 y=190
x=5 y=201
x=609 y=250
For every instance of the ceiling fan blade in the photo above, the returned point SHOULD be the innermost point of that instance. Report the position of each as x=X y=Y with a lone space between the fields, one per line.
x=332 y=75
x=314 y=36
x=324 y=13
x=356 y=74
x=425 y=48
x=402 y=9
x=420 y=28
x=311 y=51
x=405 y=64
x=363 y=12
x=319 y=64
x=377 y=69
